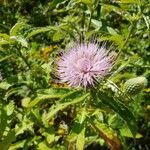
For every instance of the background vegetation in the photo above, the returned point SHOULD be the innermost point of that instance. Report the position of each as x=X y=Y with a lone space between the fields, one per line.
x=37 y=113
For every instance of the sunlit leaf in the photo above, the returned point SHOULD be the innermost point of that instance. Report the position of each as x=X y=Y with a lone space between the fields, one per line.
x=17 y=27
x=20 y=40
x=10 y=108
x=19 y=144
x=96 y=23
x=4 y=36
x=4 y=85
x=116 y=38
x=80 y=140
x=58 y=35
x=127 y=133
x=6 y=42
x=25 y=125
x=43 y=146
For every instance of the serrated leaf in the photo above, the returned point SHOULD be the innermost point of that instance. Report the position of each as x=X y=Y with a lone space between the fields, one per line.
x=107 y=134
x=118 y=107
x=60 y=106
x=16 y=28
x=52 y=93
x=25 y=125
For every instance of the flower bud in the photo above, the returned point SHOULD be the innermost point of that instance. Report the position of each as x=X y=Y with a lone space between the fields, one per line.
x=135 y=85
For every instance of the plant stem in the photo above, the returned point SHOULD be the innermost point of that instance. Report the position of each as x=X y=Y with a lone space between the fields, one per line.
x=127 y=39
x=90 y=20
x=82 y=26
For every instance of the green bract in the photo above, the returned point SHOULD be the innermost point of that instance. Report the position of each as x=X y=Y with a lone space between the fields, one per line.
x=135 y=85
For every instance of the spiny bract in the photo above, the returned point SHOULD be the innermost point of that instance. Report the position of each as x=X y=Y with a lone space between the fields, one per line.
x=135 y=85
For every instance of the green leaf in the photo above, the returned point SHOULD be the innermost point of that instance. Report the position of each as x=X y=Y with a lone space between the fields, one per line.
x=58 y=35
x=121 y=110
x=4 y=85
x=60 y=106
x=87 y=2
x=111 y=31
x=52 y=93
x=4 y=36
x=5 y=42
x=17 y=145
x=96 y=23
x=80 y=140
x=16 y=28
x=3 y=122
x=26 y=124
x=107 y=134
x=41 y=30
x=127 y=133
x=43 y=146
x=20 y=40
x=6 y=57
x=10 y=108
x=6 y=143
x=131 y=2
x=147 y=21
x=118 y=39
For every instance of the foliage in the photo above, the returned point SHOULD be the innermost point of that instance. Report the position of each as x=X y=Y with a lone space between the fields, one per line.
x=36 y=111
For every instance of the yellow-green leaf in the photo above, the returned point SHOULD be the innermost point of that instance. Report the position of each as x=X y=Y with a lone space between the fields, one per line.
x=80 y=140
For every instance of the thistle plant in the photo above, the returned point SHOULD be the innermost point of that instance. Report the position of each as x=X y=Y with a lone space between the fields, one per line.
x=91 y=107
x=86 y=65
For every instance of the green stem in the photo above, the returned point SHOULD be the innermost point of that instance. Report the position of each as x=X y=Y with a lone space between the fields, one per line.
x=82 y=26
x=127 y=39
x=89 y=24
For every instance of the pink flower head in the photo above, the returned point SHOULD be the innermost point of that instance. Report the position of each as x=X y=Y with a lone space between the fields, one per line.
x=84 y=64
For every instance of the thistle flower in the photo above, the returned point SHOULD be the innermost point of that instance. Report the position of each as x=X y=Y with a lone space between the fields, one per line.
x=84 y=64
